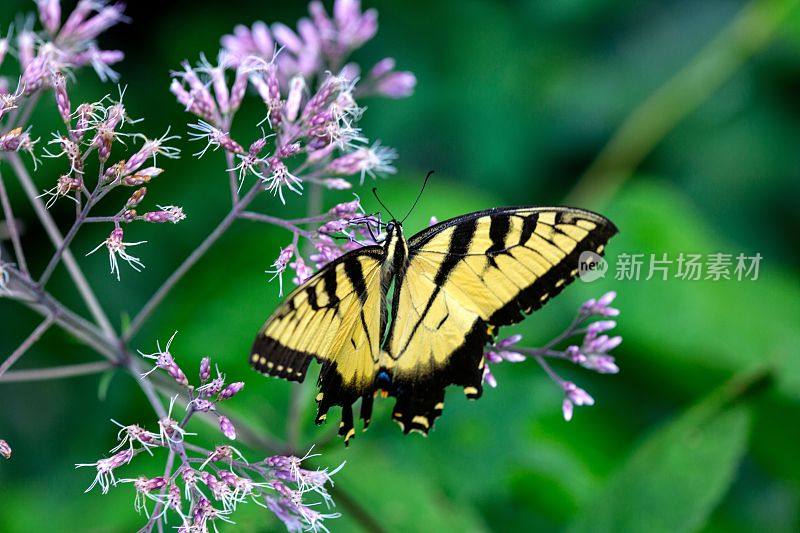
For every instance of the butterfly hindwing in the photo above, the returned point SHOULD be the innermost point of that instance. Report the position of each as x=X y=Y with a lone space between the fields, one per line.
x=465 y=278
x=333 y=317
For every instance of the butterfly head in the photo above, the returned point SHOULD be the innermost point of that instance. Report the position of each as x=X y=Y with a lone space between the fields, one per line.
x=394 y=234
x=395 y=246
x=393 y=229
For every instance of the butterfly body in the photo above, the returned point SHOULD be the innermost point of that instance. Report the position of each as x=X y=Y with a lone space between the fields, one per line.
x=410 y=317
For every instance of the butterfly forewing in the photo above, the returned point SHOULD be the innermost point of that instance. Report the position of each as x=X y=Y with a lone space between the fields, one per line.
x=465 y=278
x=333 y=317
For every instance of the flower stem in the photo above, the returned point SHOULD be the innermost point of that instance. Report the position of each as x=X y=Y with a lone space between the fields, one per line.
x=13 y=231
x=275 y=221
x=232 y=179
x=35 y=335
x=751 y=30
x=56 y=372
x=89 y=220
x=53 y=232
x=189 y=262
x=46 y=305
x=62 y=247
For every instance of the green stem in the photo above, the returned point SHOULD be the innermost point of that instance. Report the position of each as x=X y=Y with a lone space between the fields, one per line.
x=750 y=31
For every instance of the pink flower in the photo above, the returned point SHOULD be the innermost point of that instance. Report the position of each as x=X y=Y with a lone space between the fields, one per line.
x=301 y=270
x=169 y=213
x=281 y=177
x=601 y=306
x=117 y=248
x=280 y=264
x=105 y=469
x=372 y=161
x=5 y=449
x=226 y=426
x=165 y=361
x=573 y=395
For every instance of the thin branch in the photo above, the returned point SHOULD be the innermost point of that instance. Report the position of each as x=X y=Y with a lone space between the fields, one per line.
x=55 y=236
x=135 y=368
x=750 y=31
x=56 y=372
x=159 y=503
x=232 y=178
x=100 y=219
x=45 y=304
x=13 y=231
x=35 y=335
x=189 y=262
x=275 y=221
x=64 y=244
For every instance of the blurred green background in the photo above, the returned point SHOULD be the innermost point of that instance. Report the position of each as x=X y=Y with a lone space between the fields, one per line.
x=514 y=102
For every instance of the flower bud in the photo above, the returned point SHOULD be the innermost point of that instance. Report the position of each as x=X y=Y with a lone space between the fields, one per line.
x=5 y=449
x=227 y=428
x=231 y=390
x=169 y=213
x=62 y=98
x=296 y=87
x=141 y=177
x=136 y=198
x=205 y=369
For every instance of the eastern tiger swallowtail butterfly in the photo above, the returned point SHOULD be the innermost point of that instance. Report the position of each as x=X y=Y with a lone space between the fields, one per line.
x=411 y=316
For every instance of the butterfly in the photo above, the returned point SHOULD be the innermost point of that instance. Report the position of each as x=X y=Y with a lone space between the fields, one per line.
x=409 y=317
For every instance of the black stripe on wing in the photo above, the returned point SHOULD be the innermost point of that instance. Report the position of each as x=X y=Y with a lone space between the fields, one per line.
x=271 y=357
x=420 y=400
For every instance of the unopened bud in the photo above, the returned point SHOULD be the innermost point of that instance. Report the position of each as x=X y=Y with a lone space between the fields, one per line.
x=141 y=177
x=62 y=99
x=205 y=369
x=231 y=390
x=129 y=215
x=115 y=171
x=136 y=198
x=5 y=449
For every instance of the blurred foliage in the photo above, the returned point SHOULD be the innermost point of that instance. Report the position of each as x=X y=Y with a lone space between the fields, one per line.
x=515 y=99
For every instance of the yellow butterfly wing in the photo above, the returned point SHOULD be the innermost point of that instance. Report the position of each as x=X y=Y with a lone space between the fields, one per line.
x=465 y=278
x=335 y=318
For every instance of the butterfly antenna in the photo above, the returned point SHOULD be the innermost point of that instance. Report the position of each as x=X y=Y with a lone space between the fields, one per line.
x=375 y=192
x=424 y=183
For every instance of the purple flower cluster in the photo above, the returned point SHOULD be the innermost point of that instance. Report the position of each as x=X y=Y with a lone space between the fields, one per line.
x=309 y=94
x=207 y=486
x=288 y=504
x=592 y=353
x=66 y=45
x=96 y=128
x=45 y=57
x=204 y=398
x=320 y=43
x=345 y=227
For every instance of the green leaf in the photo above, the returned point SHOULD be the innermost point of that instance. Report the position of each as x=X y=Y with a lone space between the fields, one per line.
x=677 y=476
x=674 y=324
x=105 y=383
